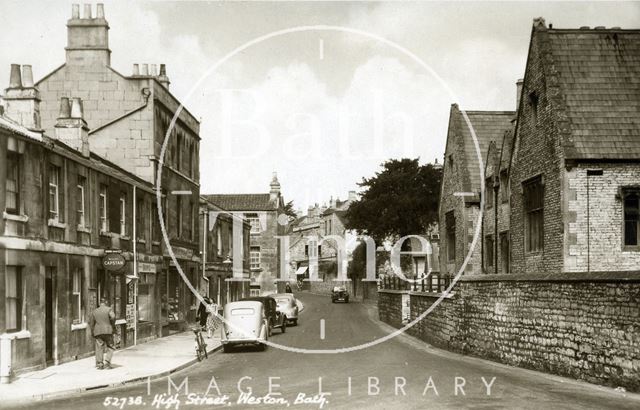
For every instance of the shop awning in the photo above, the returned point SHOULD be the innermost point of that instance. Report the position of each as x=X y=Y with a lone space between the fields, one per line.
x=301 y=270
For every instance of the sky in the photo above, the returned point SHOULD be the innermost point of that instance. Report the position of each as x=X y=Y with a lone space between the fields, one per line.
x=322 y=108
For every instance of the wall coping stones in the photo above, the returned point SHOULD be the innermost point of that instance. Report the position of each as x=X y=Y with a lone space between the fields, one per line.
x=404 y=292
x=433 y=294
x=622 y=276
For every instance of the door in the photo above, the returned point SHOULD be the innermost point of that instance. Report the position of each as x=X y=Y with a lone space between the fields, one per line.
x=50 y=311
x=504 y=251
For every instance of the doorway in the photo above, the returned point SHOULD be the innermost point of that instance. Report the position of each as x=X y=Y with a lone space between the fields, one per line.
x=50 y=314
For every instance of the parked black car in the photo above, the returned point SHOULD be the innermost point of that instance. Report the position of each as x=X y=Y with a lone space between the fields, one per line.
x=339 y=293
x=275 y=318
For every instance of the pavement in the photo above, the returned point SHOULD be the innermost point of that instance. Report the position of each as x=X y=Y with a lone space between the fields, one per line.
x=400 y=373
x=134 y=364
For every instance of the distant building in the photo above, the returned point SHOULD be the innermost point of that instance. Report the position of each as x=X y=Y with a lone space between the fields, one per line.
x=262 y=211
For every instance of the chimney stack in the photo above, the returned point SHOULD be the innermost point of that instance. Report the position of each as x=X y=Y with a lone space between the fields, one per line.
x=274 y=193
x=144 y=69
x=164 y=80
x=71 y=128
x=136 y=69
x=22 y=99
x=87 y=37
x=154 y=70
x=519 y=84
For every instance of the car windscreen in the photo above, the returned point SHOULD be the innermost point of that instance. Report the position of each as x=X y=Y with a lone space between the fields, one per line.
x=242 y=311
x=337 y=289
x=282 y=301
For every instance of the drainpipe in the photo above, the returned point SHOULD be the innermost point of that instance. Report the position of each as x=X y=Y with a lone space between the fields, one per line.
x=135 y=268
x=204 y=248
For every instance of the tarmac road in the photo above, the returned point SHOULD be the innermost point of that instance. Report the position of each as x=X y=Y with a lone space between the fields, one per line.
x=401 y=373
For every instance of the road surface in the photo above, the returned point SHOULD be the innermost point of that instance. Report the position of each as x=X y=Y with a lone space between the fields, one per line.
x=401 y=373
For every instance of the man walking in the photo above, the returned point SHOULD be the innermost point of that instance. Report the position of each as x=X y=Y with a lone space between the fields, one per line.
x=102 y=326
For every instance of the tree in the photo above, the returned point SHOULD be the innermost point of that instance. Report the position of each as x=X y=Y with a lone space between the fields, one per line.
x=289 y=210
x=401 y=199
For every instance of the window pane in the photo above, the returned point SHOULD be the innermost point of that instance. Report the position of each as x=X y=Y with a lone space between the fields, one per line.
x=12 y=184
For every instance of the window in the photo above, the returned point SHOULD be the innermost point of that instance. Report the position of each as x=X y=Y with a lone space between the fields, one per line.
x=450 y=222
x=13 y=184
x=488 y=192
x=80 y=201
x=13 y=308
x=179 y=152
x=219 y=239
x=104 y=226
x=76 y=297
x=54 y=193
x=116 y=302
x=155 y=223
x=189 y=226
x=504 y=186
x=504 y=251
x=632 y=217
x=533 y=196
x=140 y=218
x=179 y=215
x=254 y=220
x=123 y=214
x=254 y=257
x=488 y=253
x=533 y=103
x=230 y=236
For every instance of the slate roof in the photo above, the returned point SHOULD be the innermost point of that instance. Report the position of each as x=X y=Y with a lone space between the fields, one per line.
x=243 y=202
x=10 y=125
x=488 y=126
x=598 y=72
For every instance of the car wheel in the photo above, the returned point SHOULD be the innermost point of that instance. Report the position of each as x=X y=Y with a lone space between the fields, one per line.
x=346 y=300
x=295 y=322
x=226 y=348
x=284 y=325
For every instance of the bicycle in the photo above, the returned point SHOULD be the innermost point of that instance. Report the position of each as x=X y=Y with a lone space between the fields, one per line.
x=201 y=346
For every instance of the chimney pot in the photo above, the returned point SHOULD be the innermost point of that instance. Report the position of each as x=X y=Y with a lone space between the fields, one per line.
x=76 y=108
x=100 y=11
x=163 y=69
x=144 y=69
x=136 y=69
x=65 y=110
x=87 y=11
x=75 y=11
x=584 y=28
x=15 y=80
x=600 y=27
x=154 y=70
x=27 y=76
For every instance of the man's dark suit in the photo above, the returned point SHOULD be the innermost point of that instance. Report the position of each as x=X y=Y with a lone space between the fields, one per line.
x=102 y=325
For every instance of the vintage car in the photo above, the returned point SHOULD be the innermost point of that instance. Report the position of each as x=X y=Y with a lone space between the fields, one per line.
x=339 y=293
x=288 y=306
x=276 y=319
x=245 y=323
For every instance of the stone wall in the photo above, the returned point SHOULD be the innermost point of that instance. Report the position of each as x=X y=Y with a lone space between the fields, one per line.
x=575 y=325
x=390 y=306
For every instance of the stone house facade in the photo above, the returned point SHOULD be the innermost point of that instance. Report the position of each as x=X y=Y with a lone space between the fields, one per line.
x=263 y=212
x=219 y=251
x=575 y=167
x=128 y=118
x=460 y=193
x=63 y=208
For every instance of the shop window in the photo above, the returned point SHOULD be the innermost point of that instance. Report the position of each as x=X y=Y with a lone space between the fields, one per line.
x=254 y=257
x=13 y=184
x=146 y=307
x=80 y=201
x=13 y=299
x=631 y=212
x=533 y=193
x=179 y=215
x=54 y=193
x=116 y=301
x=77 y=305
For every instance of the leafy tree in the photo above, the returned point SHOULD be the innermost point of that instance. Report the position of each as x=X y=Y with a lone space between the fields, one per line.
x=401 y=199
x=289 y=210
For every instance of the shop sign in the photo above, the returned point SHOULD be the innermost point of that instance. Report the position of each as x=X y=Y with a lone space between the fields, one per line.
x=146 y=267
x=130 y=316
x=113 y=261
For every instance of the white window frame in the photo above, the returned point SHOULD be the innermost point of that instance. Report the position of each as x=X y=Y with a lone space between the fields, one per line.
x=254 y=257
x=104 y=226
x=219 y=239
x=254 y=221
x=82 y=220
x=123 y=215
x=19 y=297
x=54 y=205
x=76 y=294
